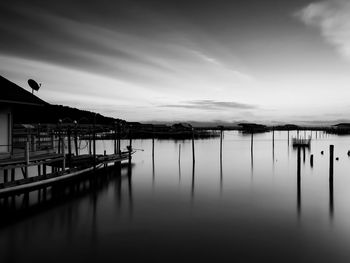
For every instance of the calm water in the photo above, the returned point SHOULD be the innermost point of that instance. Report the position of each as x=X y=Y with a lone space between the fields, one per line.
x=245 y=208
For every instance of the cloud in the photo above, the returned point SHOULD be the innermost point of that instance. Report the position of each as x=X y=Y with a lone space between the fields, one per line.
x=332 y=18
x=211 y=105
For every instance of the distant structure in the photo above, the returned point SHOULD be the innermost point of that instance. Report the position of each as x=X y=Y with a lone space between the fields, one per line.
x=181 y=127
x=253 y=127
x=299 y=142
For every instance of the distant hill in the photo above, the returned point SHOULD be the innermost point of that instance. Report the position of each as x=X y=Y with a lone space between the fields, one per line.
x=52 y=113
x=28 y=108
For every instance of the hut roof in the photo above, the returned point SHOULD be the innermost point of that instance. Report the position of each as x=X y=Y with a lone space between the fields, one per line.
x=14 y=94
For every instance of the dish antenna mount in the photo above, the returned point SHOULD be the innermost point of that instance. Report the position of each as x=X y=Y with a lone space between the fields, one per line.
x=34 y=85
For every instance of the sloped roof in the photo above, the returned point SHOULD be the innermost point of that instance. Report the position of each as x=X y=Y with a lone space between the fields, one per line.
x=10 y=93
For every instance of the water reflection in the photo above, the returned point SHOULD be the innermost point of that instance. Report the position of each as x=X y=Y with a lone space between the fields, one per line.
x=179 y=162
x=193 y=181
x=298 y=182
x=331 y=172
x=21 y=206
x=102 y=212
x=153 y=169
x=221 y=177
x=131 y=203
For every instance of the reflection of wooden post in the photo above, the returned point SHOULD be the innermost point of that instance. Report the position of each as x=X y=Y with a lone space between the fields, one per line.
x=179 y=153
x=298 y=182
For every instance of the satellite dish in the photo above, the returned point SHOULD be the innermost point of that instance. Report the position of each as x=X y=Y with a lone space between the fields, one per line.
x=35 y=86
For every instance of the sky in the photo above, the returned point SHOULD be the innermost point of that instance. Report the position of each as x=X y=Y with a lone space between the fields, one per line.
x=184 y=60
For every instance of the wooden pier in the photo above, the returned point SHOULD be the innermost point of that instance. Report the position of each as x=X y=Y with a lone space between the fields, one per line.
x=50 y=149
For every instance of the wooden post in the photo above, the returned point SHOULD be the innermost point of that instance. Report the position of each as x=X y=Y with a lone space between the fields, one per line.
x=64 y=156
x=115 y=139
x=179 y=153
x=312 y=160
x=90 y=148
x=193 y=153
x=5 y=176
x=273 y=144
x=251 y=142
x=331 y=170
x=39 y=169
x=331 y=162
x=26 y=157
x=38 y=132
x=69 y=144
x=44 y=169
x=53 y=142
x=59 y=139
x=288 y=137
x=130 y=145
x=94 y=141
x=152 y=143
x=34 y=148
x=119 y=130
x=251 y=151
x=221 y=131
x=13 y=174
x=76 y=141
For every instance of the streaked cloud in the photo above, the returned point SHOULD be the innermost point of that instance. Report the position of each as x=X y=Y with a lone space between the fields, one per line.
x=211 y=105
x=332 y=18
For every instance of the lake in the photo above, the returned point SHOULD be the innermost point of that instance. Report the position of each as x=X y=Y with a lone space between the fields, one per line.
x=248 y=207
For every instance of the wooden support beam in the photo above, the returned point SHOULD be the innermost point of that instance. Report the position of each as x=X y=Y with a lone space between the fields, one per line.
x=13 y=171
x=5 y=176
x=76 y=141
x=26 y=159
